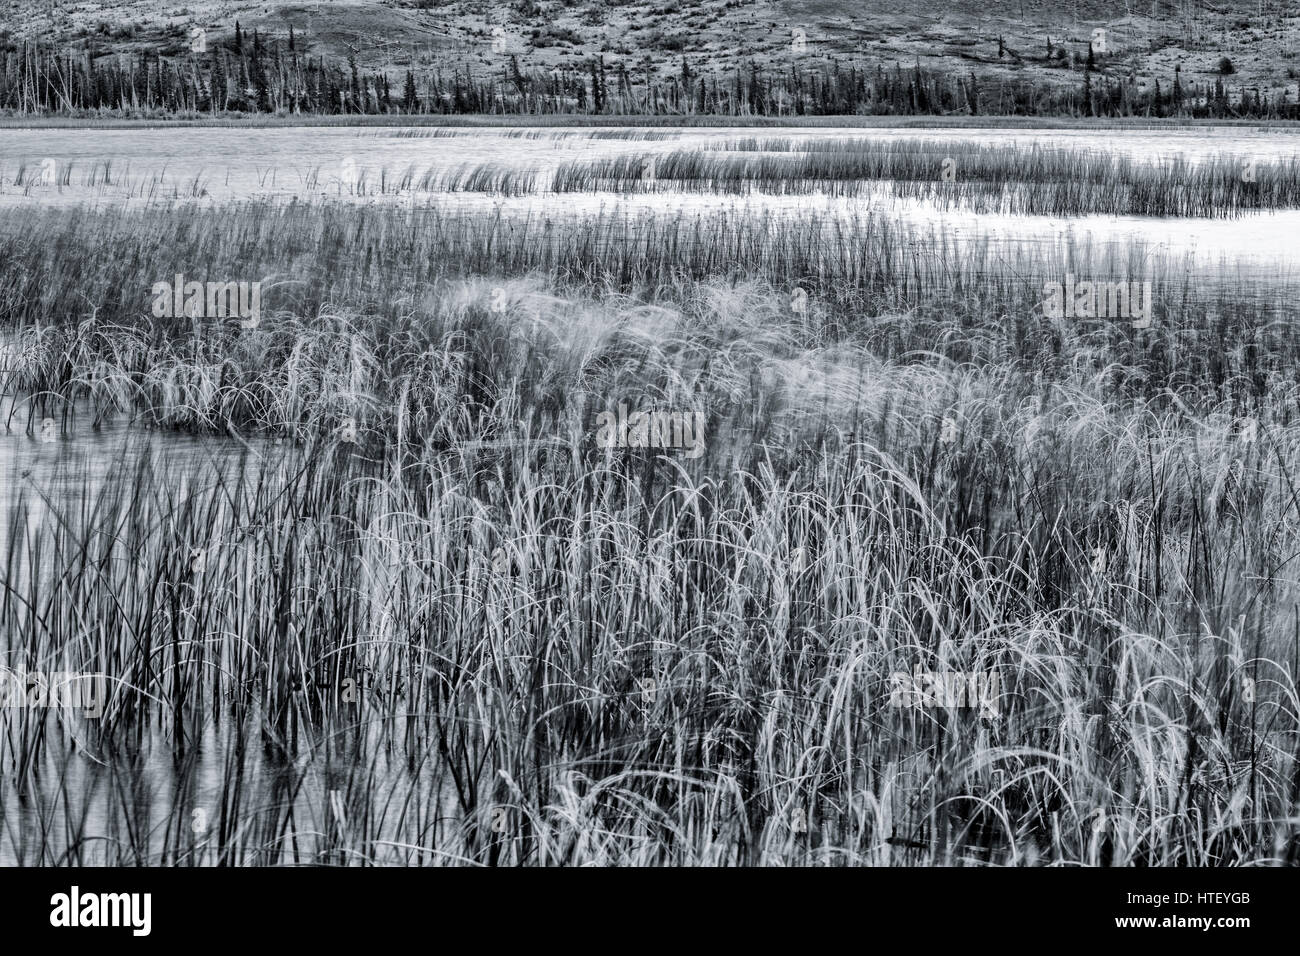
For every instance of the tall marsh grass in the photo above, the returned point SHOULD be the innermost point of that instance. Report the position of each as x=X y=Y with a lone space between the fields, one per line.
x=1034 y=180
x=412 y=613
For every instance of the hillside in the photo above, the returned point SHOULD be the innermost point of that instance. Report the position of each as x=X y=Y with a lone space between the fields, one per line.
x=992 y=39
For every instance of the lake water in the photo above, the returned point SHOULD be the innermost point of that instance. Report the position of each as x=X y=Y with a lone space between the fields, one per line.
x=109 y=168
x=53 y=464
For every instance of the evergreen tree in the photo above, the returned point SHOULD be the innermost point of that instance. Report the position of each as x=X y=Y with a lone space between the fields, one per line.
x=516 y=77
x=410 y=101
x=217 y=98
x=1087 y=84
x=261 y=87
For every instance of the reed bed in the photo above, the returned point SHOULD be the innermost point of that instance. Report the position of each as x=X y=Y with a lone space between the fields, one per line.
x=78 y=284
x=102 y=176
x=557 y=132
x=1032 y=180
x=1012 y=180
x=411 y=611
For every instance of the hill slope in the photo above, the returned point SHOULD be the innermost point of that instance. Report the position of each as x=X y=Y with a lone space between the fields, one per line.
x=1008 y=38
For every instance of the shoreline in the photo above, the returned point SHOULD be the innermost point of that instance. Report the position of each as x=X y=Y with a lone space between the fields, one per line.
x=573 y=121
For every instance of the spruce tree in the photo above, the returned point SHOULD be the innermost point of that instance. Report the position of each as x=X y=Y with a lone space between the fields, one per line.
x=595 y=88
x=1087 y=84
x=410 y=101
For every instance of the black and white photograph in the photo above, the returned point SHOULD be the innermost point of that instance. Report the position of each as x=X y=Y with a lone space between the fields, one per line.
x=860 y=435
